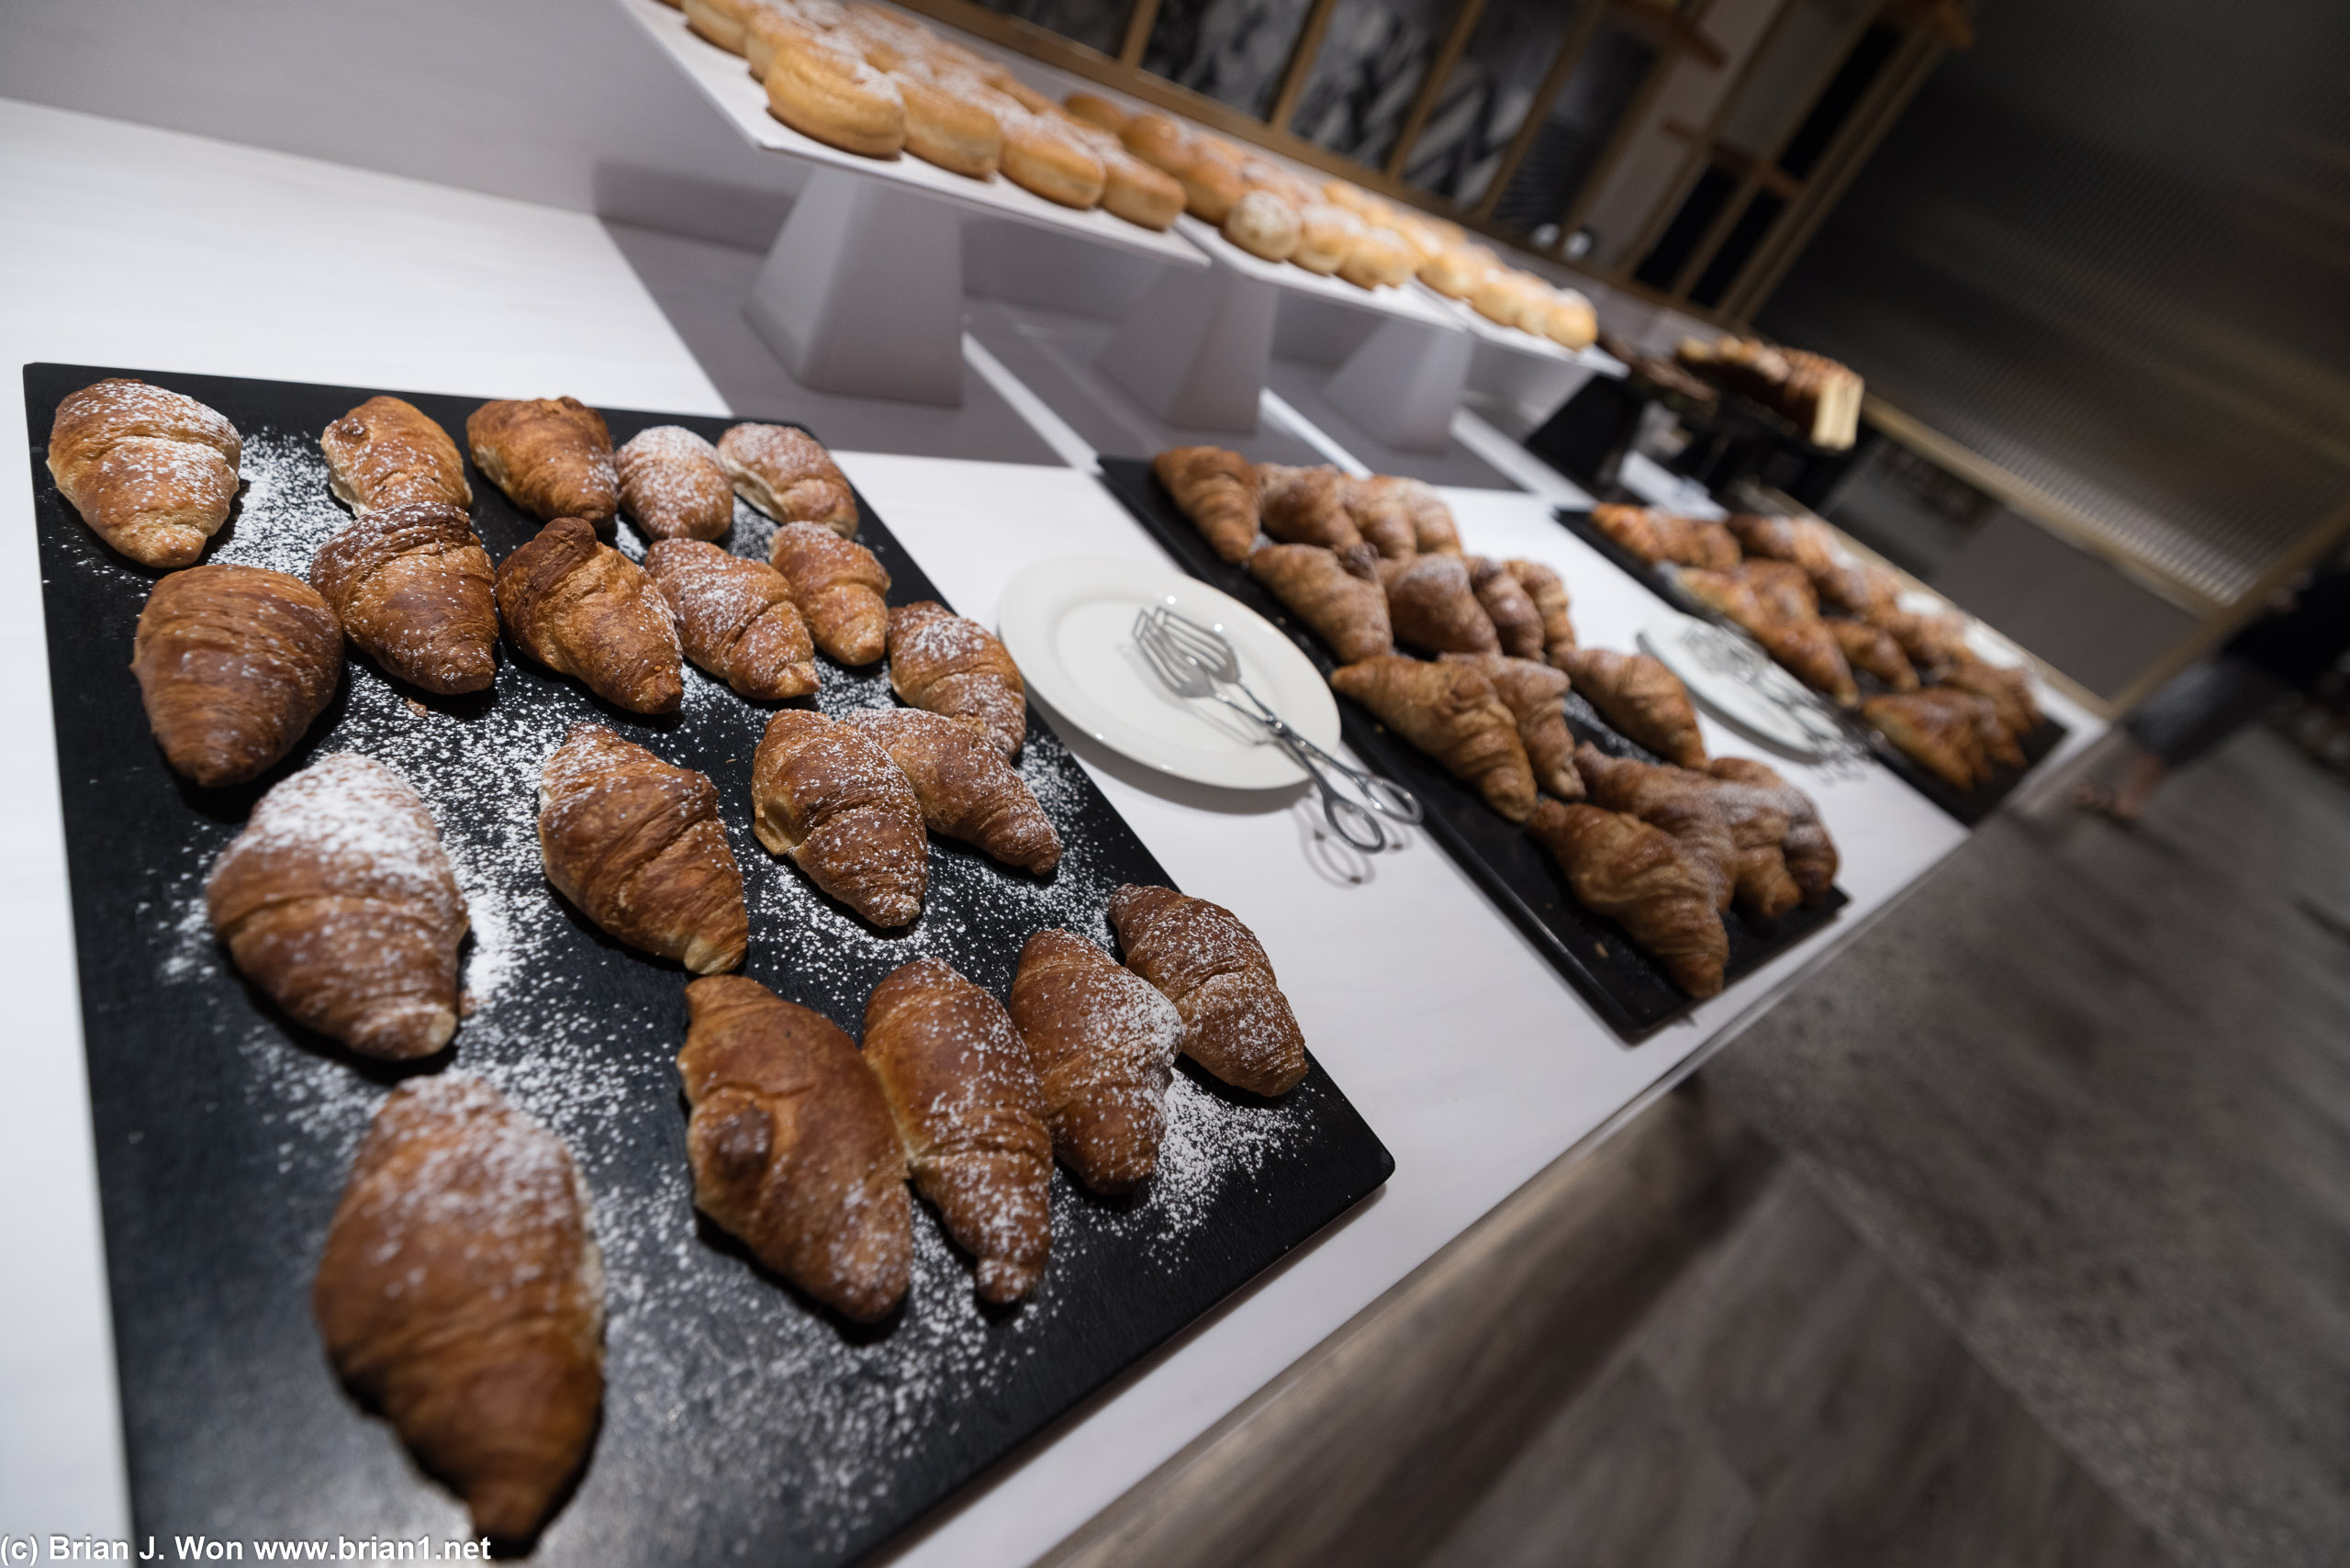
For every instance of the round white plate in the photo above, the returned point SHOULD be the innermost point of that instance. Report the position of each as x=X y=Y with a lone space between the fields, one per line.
x=1069 y=622
x=1739 y=681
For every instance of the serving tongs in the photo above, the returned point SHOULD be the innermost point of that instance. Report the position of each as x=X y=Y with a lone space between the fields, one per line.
x=1196 y=661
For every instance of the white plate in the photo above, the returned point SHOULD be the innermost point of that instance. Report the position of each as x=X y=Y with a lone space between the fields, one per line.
x=1739 y=681
x=1069 y=622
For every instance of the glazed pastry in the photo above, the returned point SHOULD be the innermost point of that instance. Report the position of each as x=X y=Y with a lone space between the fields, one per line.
x=1263 y=225
x=792 y=1146
x=1516 y=620
x=1452 y=714
x=1044 y=155
x=828 y=796
x=1873 y=650
x=787 y=475
x=838 y=586
x=735 y=618
x=1236 y=1023
x=1941 y=730
x=1549 y=596
x=1810 y=853
x=673 y=485
x=1432 y=606
x=821 y=88
x=552 y=456
x=412 y=586
x=1217 y=490
x=1306 y=506
x=153 y=473
x=947 y=665
x=233 y=664
x=1345 y=611
x=386 y=451
x=1102 y=1041
x=462 y=1295
x=1640 y=877
x=2008 y=690
x=1680 y=801
x=1644 y=700
x=635 y=844
x=968 y=792
x=947 y=121
x=338 y=901
x=583 y=608
x=965 y=1097
x=1376 y=509
x=1535 y=695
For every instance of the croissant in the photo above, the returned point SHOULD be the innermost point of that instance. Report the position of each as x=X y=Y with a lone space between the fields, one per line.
x=1217 y=490
x=972 y=1118
x=1805 y=542
x=735 y=618
x=1866 y=593
x=1942 y=735
x=1810 y=853
x=637 y=845
x=1343 y=609
x=1759 y=825
x=2008 y=690
x=1633 y=528
x=583 y=608
x=1102 y=1040
x=1432 y=525
x=1451 y=712
x=1645 y=701
x=1508 y=606
x=968 y=792
x=337 y=899
x=1379 y=514
x=1791 y=629
x=1305 y=505
x=828 y=796
x=673 y=486
x=386 y=453
x=1535 y=695
x=1643 y=880
x=413 y=588
x=552 y=456
x=461 y=1295
x=1998 y=741
x=1693 y=541
x=838 y=586
x=1549 y=596
x=1873 y=650
x=1432 y=606
x=788 y=476
x=947 y=665
x=1680 y=801
x=793 y=1149
x=1728 y=594
x=233 y=663
x=1933 y=641
x=1236 y=1023
x=153 y=473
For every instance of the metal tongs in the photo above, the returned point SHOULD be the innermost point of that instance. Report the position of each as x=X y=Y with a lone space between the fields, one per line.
x=1198 y=661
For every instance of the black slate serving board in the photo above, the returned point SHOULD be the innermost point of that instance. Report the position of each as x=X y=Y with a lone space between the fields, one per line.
x=1620 y=982
x=1967 y=806
x=741 y=1422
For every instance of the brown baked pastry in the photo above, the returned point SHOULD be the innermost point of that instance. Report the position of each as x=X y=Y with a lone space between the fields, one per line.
x=461 y=1295
x=793 y=1149
x=1634 y=528
x=1306 y=506
x=838 y=586
x=1325 y=238
x=1645 y=701
x=153 y=473
x=828 y=796
x=412 y=586
x=972 y=1118
x=1102 y=1040
x=1864 y=592
x=1549 y=593
x=721 y=22
x=948 y=121
x=1758 y=824
x=636 y=845
x=787 y=475
x=820 y=87
x=552 y=456
x=967 y=790
x=735 y=618
x=233 y=663
x=1432 y=521
x=1535 y=695
x=582 y=608
x=1045 y=155
x=1379 y=514
x=1643 y=880
x=1379 y=258
x=1433 y=607
x=1451 y=712
x=1345 y=611
x=1132 y=189
x=1810 y=853
x=337 y=899
x=947 y=665
x=1773 y=600
x=1941 y=729
x=386 y=451
x=1934 y=642
x=1096 y=109
x=1212 y=183
x=1681 y=800
x=673 y=485
x=1263 y=225
x=1727 y=594
x=1873 y=650
x=1156 y=139
x=1217 y=490
x=2008 y=690
x=1236 y=1023
x=1508 y=606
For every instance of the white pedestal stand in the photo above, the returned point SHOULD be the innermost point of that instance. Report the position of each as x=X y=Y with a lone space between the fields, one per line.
x=1195 y=352
x=1404 y=384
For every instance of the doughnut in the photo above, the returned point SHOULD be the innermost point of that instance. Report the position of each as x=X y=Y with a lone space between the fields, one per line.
x=1263 y=225
x=1096 y=109
x=1044 y=154
x=1379 y=258
x=1158 y=141
x=947 y=121
x=821 y=88
x=722 y=22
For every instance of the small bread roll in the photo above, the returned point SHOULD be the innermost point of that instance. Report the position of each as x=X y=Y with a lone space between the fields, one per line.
x=722 y=22
x=1045 y=155
x=948 y=122
x=1260 y=174
x=820 y=88
x=1096 y=109
x=1457 y=272
x=1325 y=236
x=1137 y=192
x=1378 y=259
x=1158 y=141
x=1211 y=184
x=1511 y=298
x=1263 y=225
x=1569 y=320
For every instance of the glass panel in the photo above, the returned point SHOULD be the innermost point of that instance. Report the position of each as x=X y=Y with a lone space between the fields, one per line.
x=1687 y=231
x=1373 y=57
x=1232 y=51
x=1097 y=24
x=1577 y=129
x=1737 y=246
x=1837 y=102
x=1487 y=96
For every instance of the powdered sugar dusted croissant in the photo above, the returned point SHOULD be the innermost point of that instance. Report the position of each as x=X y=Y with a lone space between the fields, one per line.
x=1236 y=1023
x=735 y=618
x=1103 y=1041
x=673 y=486
x=824 y=793
x=942 y=662
x=389 y=452
x=583 y=608
x=152 y=472
x=787 y=474
x=967 y=790
x=838 y=585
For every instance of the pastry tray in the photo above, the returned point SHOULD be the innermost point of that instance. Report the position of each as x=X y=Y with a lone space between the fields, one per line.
x=741 y=1422
x=1622 y=984
x=1967 y=806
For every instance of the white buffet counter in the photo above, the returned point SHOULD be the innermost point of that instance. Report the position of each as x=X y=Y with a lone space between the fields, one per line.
x=1473 y=1060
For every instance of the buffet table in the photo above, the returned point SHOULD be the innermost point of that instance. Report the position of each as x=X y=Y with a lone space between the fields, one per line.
x=1471 y=1058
